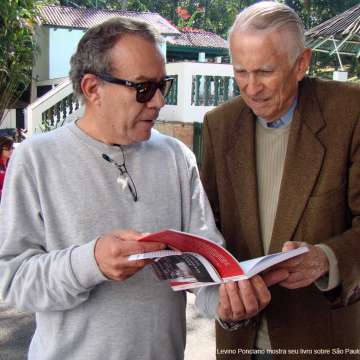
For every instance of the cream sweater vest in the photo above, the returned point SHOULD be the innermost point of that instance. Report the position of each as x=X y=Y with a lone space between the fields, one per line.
x=271 y=147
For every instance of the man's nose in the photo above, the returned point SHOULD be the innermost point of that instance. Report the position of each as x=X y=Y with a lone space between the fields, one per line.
x=157 y=101
x=254 y=85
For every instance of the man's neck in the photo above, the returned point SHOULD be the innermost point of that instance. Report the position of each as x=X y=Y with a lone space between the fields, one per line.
x=87 y=124
x=282 y=120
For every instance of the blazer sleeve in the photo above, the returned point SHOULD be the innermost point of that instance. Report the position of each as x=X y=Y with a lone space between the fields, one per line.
x=208 y=171
x=346 y=246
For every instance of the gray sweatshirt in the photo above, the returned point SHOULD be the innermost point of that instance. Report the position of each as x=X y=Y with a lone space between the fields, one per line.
x=59 y=196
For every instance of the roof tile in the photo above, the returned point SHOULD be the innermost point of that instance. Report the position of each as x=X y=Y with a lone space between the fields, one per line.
x=199 y=38
x=345 y=23
x=81 y=18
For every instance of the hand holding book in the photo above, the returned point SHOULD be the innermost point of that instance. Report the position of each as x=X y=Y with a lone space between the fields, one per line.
x=113 y=249
x=243 y=299
x=306 y=269
x=193 y=261
x=202 y=262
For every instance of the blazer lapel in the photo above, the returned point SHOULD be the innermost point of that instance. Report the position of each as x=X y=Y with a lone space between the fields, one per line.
x=240 y=160
x=304 y=159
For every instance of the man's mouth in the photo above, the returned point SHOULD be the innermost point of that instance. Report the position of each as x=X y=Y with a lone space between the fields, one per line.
x=259 y=100
x=148 y=123
x=152 y=118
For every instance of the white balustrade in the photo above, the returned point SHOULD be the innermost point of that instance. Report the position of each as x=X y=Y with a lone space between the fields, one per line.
x=192 y=80
x=34 y=112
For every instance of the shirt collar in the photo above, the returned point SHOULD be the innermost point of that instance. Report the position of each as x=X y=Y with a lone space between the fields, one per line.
x=284 y=120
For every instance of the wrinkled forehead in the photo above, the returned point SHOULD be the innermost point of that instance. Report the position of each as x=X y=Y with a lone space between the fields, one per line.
x=132 y=48
x=276 y=42
x=136 y=58
x=278 y=37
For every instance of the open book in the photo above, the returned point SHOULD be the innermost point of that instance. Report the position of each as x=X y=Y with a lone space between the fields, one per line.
x=192 y=261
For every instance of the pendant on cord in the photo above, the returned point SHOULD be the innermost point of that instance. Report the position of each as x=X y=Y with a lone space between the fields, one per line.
x=123 y=181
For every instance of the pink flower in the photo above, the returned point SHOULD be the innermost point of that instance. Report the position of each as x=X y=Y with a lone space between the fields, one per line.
x=183 y=13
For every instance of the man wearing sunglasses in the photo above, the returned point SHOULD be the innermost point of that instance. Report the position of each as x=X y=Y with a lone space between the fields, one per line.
x=78 y=200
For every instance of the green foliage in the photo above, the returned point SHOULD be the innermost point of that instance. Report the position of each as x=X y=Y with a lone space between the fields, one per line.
x=17 y=46
x=185 y=19
x=217 y=15
x=220 y=15
x=211 y=15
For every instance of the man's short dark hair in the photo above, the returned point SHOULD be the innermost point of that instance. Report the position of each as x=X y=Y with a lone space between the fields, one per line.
x=93 y=51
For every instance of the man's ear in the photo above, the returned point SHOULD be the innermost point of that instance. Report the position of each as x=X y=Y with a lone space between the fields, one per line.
x=90 y=86
x=303 y=63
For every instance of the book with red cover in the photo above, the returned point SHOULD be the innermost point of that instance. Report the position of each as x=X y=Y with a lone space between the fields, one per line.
x=194 y=261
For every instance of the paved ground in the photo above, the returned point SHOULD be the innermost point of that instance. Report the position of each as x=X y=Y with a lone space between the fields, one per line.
x=16 y=329
x=200 y=335
x=15 y=333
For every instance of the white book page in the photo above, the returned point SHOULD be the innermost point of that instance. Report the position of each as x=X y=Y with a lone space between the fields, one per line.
x=254 y=266
x=191 y=285
x=153 y=255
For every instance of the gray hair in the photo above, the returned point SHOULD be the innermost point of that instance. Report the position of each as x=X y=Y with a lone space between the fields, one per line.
x=93 y=54
x=268 y=16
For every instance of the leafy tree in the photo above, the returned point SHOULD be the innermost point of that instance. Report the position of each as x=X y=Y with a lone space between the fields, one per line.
x=217 y=15
x=220 y=15
x=212 y=15
x=185 y=19
x=17 y=49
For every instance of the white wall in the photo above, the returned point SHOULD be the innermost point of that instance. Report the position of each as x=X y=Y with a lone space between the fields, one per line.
x=41 y=66
x=10 y=119
x=62 y=44
x=52 y=64
x=184 y=111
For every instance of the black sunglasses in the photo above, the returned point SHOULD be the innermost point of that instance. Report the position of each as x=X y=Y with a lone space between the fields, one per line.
x=144 y=90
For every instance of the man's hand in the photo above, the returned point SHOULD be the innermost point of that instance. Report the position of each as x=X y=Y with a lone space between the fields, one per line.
x=306 y=268
x=112 y=251
x=244 y=299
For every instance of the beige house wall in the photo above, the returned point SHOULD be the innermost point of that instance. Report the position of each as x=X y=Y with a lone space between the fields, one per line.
x=181 y=131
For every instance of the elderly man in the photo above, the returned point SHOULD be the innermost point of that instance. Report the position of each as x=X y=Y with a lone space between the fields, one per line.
x=281 y=169
x=78 y=199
